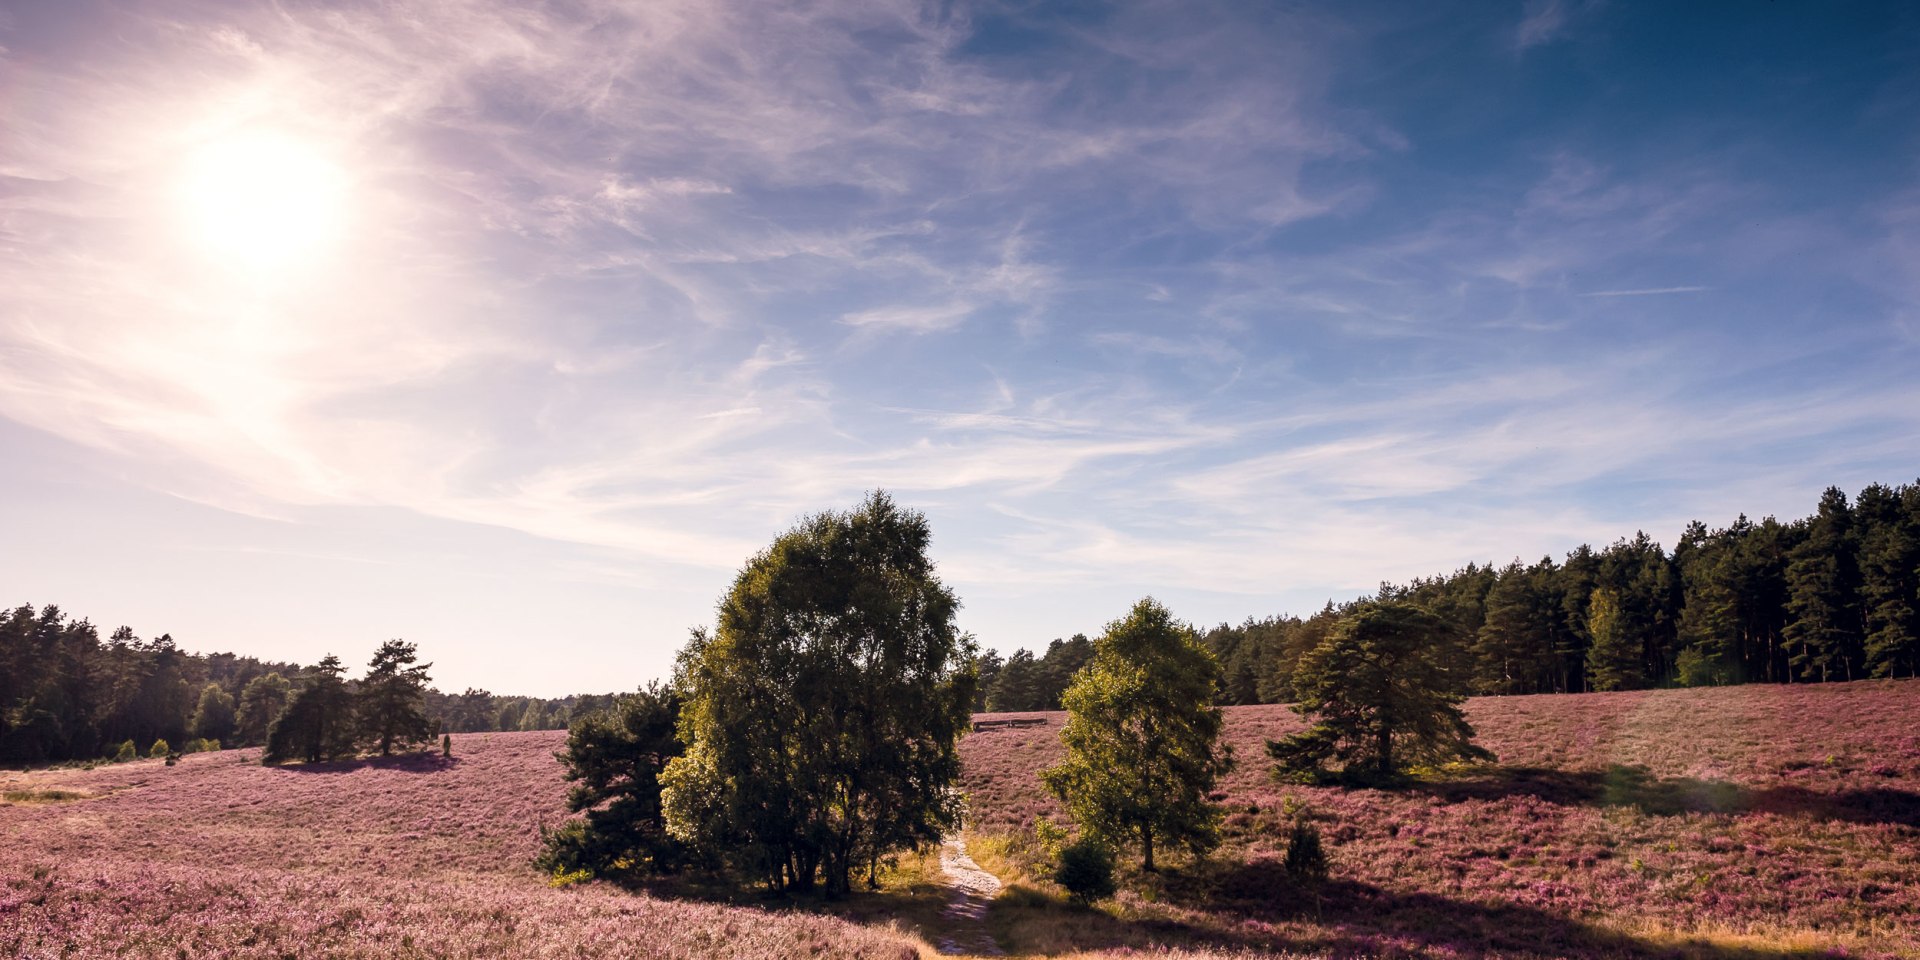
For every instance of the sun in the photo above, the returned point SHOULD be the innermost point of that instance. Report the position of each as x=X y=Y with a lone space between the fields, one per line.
x=263 y=201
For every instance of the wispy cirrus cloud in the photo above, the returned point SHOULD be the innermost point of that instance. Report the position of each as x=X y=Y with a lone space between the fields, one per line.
x=1148 y=297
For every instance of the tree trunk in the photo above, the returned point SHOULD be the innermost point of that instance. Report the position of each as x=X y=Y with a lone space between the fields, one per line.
x=1146 y=844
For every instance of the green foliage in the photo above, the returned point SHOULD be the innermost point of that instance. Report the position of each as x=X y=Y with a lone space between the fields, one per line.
x=1613 y=658
x=1085 y=871
x=260 y=704
x=1051 y=835
x=1306 y=857
x=159 y=749
x=1025 y=682
x=1384 y=696
x=1142 y=738
x=1889 y=522
x=1699 y=668
x=1824 y=585
x=214 y=718
x=127 y=751
x=822 y=716
x=1515 y=640
x=318 y=723
x=614 y=758
x=391 y=697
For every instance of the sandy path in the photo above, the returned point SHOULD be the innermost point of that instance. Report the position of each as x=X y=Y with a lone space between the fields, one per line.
x=973 y=890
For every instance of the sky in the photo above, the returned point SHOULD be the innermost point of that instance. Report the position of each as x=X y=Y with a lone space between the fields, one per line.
x=513 y=329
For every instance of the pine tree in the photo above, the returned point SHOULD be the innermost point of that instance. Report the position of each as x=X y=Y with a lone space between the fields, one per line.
x=1383 y=692
x=1823 y=582
x=1709 y=613
x=614 y=759
x=1142 y=738
x=1514 y=648
x=318 y=724
x=260 y=704
x=393 y=697
x=1890 y=578
x=1017 y=689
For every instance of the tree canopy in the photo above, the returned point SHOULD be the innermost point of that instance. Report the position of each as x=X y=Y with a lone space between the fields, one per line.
x=318 y=723
x=1142 y=737
x=614 y=758
x=392 y=698
x=1383 y=697
x=822 y=715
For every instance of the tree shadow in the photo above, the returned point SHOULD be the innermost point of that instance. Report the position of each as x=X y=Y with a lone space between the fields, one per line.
x=1634 y=786
x=1351 y=919
x=421 y=762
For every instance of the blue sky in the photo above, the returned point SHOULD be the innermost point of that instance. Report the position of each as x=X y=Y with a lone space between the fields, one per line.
x=512 y=329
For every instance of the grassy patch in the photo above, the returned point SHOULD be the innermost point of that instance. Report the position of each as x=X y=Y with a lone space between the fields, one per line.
x=44 y=796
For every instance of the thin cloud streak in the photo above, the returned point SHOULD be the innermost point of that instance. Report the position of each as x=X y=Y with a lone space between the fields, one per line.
x=1154 y=303
x=1649 y=292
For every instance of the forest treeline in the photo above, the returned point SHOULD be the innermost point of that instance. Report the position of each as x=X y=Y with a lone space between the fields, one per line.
x=1831 y=596
x=66 y=694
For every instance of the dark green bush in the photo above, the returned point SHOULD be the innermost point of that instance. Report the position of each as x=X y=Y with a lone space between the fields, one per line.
x=159 y=749
x=1085 y=871
x=1306 y=858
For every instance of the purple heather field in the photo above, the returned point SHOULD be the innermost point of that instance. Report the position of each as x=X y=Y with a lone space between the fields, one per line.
x=1757 y=821
x=1751 y=822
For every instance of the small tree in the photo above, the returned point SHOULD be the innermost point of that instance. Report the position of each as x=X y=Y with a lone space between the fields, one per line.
x=213 y=719
x=318 y=724
x=1306 y=858
x=128 y=751
x=615 y=758
x=1384 y=691
x=159 y=749
x=1085 y=871
x=393 y=697
x=1142 y=738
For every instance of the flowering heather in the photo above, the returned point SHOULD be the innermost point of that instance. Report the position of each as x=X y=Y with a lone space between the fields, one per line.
x=1750 y=822
x=1737 y=822
x=411 y=856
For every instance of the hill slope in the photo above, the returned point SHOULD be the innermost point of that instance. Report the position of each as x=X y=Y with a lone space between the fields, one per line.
x=415 y=856
x=1748 y=820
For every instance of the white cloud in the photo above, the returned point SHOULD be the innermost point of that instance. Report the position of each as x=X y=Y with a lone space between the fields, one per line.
x=1544 y=21
x=930 y=319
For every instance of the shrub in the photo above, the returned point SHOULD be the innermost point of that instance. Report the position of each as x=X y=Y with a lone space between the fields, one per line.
x=158 y=750
x=1696 y=668
x=1306 y=858
x=446 y=744
x=1086 y=872
x=1052 y=836
x=126 y=752
x=570 y=849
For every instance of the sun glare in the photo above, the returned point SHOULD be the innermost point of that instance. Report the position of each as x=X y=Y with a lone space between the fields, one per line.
x=262 y=201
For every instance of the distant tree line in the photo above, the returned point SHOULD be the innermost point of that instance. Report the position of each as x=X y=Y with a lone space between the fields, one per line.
x=1024 y=682
x=1833 y=596
x=66 y=694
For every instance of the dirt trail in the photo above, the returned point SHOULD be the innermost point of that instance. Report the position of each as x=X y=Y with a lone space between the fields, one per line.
x=966 y=913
